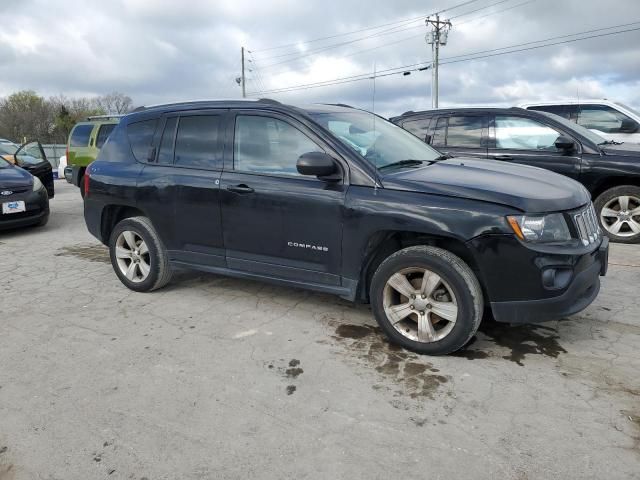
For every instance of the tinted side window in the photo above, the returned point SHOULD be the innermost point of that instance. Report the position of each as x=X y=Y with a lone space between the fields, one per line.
x=418 y=127
x=140 y=137
x=103 y=134
x=197 y=142
x=605 y=119
x=80 y=136
x=560 y=110
x=268 y=145
x=439 y=133
x=519 y=133
x=465 y=131
x=165 y=155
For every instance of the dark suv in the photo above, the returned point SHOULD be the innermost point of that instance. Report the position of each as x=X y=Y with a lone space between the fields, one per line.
x=338 y=200
x=610 y=170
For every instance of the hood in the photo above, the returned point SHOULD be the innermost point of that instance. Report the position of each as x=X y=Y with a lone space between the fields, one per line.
x=15 y=177
x=528 y=189
x=625 y=149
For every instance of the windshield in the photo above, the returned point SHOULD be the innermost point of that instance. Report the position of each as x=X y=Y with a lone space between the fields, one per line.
x=627 y=107
x=8 y=148
x=4 y=163
x=380 y=142
x=585 y=132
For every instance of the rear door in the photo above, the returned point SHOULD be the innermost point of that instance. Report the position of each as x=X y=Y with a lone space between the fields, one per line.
x=519 y=139
x=180 y=185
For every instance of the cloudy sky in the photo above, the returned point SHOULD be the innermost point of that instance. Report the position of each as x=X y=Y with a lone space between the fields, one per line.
x=167 y=50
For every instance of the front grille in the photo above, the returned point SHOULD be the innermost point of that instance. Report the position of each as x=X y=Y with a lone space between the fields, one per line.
x=587 y=226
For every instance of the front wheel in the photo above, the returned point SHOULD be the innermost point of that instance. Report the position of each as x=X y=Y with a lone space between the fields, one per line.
x=427 y=300
x=619 y=213
x=138 y=256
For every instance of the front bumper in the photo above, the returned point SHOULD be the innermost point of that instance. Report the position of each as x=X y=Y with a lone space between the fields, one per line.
x=521 y=296
x=37 y=210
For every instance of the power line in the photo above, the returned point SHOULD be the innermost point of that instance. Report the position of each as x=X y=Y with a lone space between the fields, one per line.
x=478 y=9
x=494 y=13
x=398 y=70
x=364 y=29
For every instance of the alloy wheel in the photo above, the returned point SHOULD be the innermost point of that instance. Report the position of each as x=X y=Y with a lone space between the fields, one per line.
x=420 y=304
x=621 y=216
x=132 y=255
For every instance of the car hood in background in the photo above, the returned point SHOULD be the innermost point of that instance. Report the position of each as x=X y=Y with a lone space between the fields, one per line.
x=625 y=149
x=14 y=177
x=529 y=189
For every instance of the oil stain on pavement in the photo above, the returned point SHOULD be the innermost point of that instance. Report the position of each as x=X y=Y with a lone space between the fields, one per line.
x=93 y=253
x=409 y=370
x=522 y=340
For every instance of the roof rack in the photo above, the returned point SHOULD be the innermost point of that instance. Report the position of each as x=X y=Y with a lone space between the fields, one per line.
x=269 y=100
x=104 y=117
x=408 y=112
x=339 y=105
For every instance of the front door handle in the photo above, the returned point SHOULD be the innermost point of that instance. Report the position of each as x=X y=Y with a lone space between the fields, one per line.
x=505 y=158
x=242 y=188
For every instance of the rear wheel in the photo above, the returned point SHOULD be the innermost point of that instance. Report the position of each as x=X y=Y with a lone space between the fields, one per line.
x=138 y=256
x=619 y=213
x=427 y=300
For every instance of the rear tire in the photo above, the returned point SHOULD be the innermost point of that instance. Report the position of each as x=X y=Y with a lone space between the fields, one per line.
x=618 y=211
x=138 y=256
x=427 y=300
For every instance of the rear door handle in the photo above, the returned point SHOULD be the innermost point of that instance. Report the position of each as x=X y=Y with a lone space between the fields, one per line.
x=242 y=188
x=505 y=158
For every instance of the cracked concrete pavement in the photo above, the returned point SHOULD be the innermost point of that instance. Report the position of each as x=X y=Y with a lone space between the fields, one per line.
x=215 y=377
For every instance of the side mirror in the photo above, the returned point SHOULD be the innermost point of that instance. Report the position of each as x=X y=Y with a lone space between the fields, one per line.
x=564 y=143
x=628 y=126
x=319 y=164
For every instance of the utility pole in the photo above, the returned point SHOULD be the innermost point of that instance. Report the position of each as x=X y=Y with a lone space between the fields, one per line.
x=242 y=77
x=436 y=37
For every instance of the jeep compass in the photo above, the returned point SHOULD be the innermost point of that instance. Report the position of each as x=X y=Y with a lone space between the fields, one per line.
x=339 y=200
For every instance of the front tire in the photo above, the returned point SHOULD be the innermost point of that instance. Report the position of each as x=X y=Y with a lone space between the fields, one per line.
x=427 y=300
x=618 y=211
x=138 y=256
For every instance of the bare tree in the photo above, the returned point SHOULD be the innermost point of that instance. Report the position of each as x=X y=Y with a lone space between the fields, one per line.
x=115 y=103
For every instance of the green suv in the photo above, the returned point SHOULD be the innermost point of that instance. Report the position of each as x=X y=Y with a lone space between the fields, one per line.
x=85 y=141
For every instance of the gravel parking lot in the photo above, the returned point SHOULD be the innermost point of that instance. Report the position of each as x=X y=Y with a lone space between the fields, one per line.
x=214 y=377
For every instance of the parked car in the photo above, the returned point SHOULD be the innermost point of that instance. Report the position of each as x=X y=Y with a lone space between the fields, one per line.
x=30 y=157
x=23 y=198
x=335 y=199
x=610 y=171
x=85 y=141
x=611 y=120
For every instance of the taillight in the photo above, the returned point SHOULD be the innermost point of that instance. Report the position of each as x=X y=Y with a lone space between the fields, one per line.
x=86 y=179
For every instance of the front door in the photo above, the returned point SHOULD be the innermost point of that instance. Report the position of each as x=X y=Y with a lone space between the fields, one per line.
x=275 y=221
x=527 y=141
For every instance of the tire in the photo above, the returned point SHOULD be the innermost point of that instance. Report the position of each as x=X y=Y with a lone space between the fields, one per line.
x=81 y=184
x=152 y=270
x=613 y=216
x=454 y=287
x=43 y=221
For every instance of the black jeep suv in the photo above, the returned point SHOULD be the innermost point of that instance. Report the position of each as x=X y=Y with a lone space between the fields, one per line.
x=609 y=170
x=336 y=199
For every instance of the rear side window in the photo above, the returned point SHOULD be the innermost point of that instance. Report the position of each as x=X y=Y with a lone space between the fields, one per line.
x=103 y=134
x=418 y=127
x=197 y=142
x=439 y=133
x=140 y=137
x=80 y=136
x=465 y=131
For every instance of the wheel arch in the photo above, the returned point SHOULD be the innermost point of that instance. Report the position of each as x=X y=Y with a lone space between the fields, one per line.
x=382 y=244
x=112 y=215
x=612 y=182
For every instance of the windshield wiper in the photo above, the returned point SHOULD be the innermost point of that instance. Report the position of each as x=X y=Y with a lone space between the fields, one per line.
x=444 y=156
x=402 y=163
x=610 y=142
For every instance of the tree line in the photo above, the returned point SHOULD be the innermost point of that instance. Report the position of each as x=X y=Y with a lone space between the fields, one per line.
x=26 y=116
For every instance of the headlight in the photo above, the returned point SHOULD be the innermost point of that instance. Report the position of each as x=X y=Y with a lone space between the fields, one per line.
x=540 y=228
x=37 y=184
